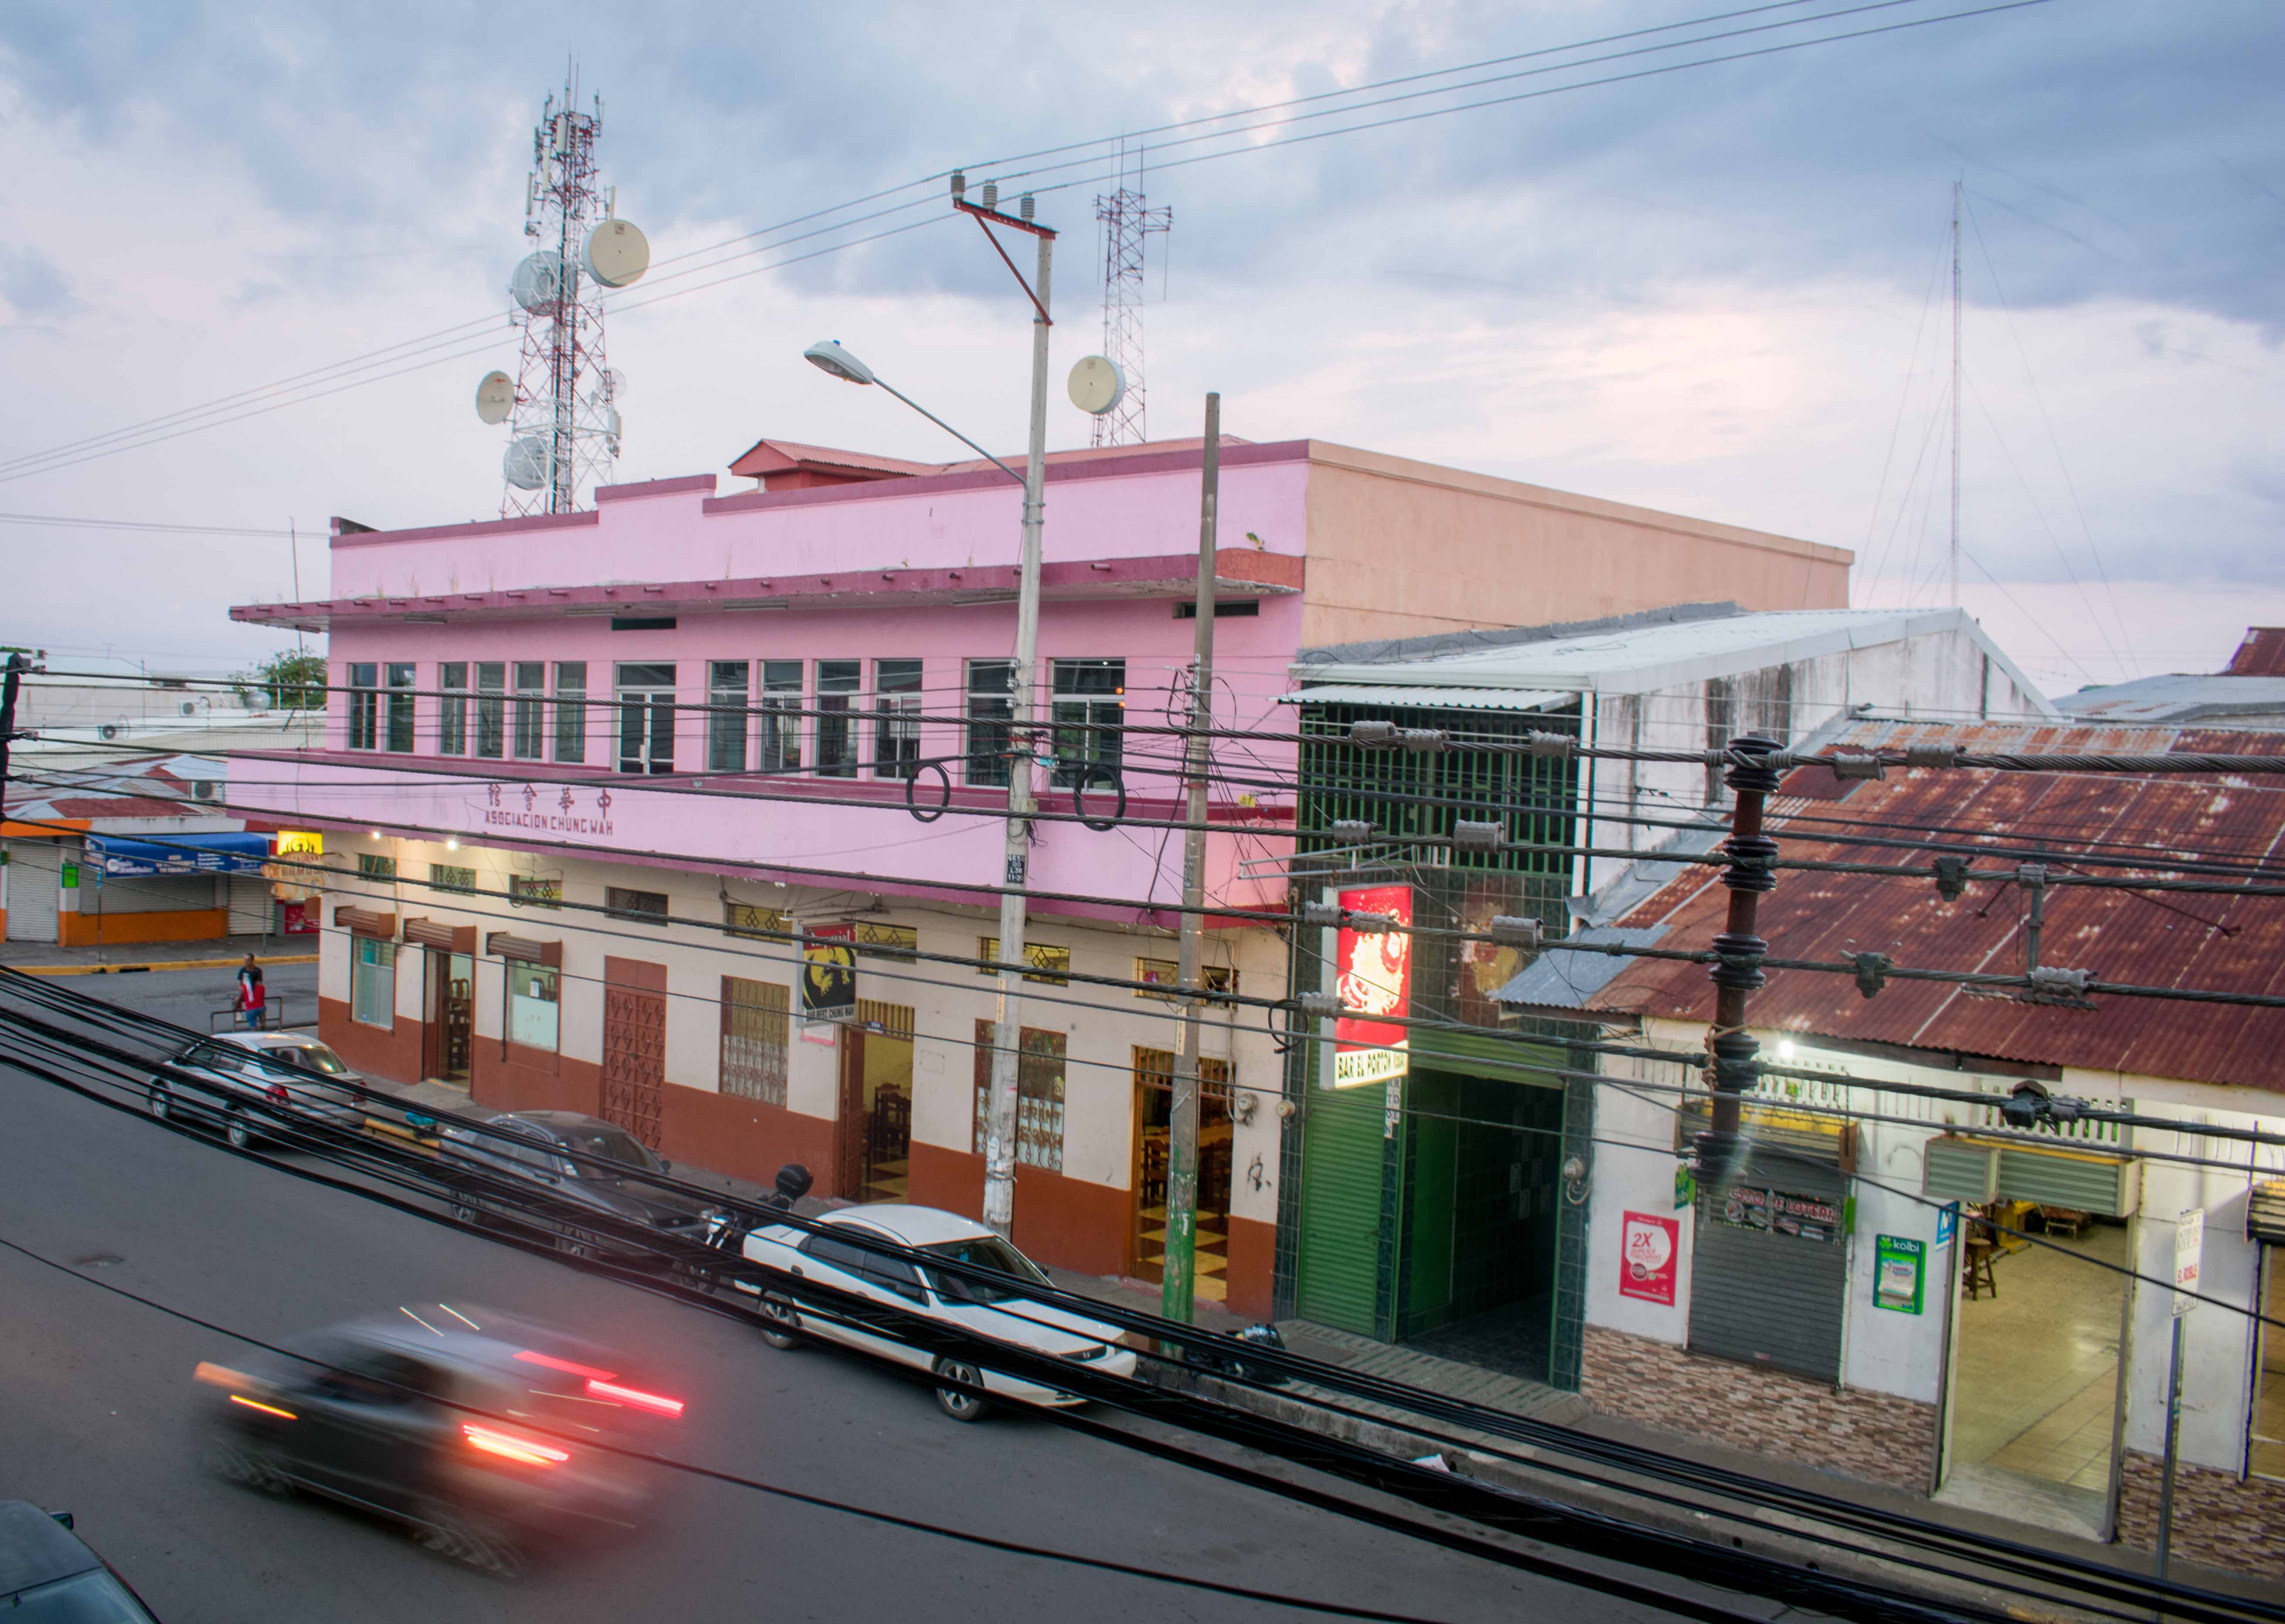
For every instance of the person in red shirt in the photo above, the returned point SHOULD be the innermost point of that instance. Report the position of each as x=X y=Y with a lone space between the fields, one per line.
x=250 y=995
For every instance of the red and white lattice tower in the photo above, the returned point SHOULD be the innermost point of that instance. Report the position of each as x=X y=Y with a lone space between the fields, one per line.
x=564 y=426
x=1126 y=223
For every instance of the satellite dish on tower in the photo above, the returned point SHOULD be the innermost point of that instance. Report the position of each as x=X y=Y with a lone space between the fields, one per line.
x=1097 y=385
x=615 y=254
x=495 y=398
x=529 y=463
x=537 y=283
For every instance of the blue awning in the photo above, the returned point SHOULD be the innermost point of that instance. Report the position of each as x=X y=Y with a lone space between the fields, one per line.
x=236 y=852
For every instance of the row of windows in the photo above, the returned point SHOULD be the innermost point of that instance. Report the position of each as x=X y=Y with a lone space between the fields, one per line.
x=1050 y=963
x=760 y=715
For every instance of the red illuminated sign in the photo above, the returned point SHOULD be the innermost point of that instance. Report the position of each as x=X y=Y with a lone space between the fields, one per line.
x=1374 y=971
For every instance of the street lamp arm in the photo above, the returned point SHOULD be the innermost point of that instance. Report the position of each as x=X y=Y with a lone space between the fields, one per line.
x=949 y=430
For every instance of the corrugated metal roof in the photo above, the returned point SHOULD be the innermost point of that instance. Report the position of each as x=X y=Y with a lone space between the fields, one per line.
x=2222 y=943
x=1640 y=659
x=1433 y=699
x=2225 y=699
x=1568 y=980
x=2261 y=655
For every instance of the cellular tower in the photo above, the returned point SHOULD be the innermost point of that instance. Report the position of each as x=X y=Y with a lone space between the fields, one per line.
x=1128 y=223
x=562 y=407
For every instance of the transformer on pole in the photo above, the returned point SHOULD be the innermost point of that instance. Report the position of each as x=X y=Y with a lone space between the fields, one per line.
x=562 y=408
x=1127 y=222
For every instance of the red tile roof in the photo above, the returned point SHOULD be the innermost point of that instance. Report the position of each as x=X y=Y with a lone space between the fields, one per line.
x=2220 y=942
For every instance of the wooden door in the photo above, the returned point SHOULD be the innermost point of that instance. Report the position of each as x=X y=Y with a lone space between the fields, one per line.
x=849 y=1116
x=634 y=1047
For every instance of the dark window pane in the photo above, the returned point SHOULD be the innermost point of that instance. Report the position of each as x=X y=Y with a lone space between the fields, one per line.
x=571 y=710
x=991 y=689
x=531 y=709
x=896 y=710
x=726 y=716
x=837 y=682
x=782 y=716
x=400 y=708
x=452 y=709
x=492 y=710
x=364 y=707
x=1091 y=707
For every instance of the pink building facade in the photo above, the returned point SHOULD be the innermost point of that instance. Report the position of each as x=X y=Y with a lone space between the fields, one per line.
x=597 y=769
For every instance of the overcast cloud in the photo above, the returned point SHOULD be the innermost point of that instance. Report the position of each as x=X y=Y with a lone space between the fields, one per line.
x=1721 y=291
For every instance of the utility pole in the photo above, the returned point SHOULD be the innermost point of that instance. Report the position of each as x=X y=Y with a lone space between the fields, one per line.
x=1738 y=969
x=1956 y=188
x=9 y=684
x=1179 y=1279
x=1001 y=1118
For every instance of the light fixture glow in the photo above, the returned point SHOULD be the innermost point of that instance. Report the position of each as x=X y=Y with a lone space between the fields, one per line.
x=1784 y=1049
x=639 y=1400
x=267 y=1409
x=528 y=1451
x=451 y=846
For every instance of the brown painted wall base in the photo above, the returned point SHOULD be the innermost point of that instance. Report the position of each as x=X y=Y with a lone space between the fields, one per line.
x=510 y=1076
x=123 y=930
x=1252 y=1265
x=1872 y=1435
x=393 y=1056
x=746 y=1138
x=2219 y=1519
x=1066 y=1222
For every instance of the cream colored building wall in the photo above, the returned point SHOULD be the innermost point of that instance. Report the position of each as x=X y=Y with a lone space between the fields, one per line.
x=1103 y=1025
x=1398 y=548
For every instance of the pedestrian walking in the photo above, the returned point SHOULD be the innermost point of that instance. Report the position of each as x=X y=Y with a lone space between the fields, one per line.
x=251 y=996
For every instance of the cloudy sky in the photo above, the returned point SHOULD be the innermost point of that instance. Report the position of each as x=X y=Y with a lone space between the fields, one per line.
x=1723 y=290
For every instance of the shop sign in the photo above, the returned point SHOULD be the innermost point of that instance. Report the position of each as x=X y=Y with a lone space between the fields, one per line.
x=70 y=881
x=1809 y=1218
x=300 y=842
x=1947 y=1224
x=828 y=978
x=1899 y=1269
x=1648 y=1245
x=2189 y=1253
x=1373 y=970
x=529 y=807
x=297 y=920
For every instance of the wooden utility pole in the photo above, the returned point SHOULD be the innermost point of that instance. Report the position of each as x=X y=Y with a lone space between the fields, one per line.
x=1738 y=970
x=1178 y=1280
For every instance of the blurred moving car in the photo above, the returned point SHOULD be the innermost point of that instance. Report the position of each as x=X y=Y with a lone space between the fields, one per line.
x=558 y=1158
x=834 y=1256
x=48 y=1575
x=240 y=1081
x=478 y=1432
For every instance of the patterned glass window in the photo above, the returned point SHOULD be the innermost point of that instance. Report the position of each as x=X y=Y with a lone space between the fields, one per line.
x=754 y=1022
x=1049 y=964
x=1039 y=1095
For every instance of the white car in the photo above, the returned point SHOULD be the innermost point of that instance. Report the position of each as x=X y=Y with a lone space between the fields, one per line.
x=1003 y=1316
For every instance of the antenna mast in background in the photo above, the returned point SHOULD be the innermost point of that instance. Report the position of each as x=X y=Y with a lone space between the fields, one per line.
x=1956 y=189
x=1127 y=222
x=562 y=408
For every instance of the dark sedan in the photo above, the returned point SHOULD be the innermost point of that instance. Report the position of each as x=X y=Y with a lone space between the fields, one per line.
x=48 y=1573
x=575 y=1178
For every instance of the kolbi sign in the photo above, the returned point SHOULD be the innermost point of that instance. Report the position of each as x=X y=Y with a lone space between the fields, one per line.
x=1374 y=983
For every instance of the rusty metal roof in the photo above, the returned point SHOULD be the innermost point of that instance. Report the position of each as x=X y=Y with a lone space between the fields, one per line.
x=2216 y=942
x=2261 y=655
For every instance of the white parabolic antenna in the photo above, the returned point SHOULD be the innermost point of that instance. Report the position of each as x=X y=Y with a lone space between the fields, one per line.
x=495 y=398
x=616 y=253
x=537 y=283
x=1096 y=384
x=527 y=464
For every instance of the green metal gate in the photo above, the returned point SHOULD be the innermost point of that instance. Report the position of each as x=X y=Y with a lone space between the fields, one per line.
x=1343 y=1158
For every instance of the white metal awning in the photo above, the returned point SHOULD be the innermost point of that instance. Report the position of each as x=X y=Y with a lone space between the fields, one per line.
x=1424 y=696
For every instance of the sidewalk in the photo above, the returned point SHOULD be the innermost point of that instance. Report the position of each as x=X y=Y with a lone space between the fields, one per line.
x=223 y=952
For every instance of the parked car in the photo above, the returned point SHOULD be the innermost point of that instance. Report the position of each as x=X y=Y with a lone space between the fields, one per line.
x=240 y=1081
x=472 y=1430
x=833 y=1256
x=570 y=1168
x=49 y=1573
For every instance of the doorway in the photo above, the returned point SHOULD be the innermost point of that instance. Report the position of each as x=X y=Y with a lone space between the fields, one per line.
x=1154 y=1107
x=450 y=1030
x=874 y=1133
x=2033 y=1393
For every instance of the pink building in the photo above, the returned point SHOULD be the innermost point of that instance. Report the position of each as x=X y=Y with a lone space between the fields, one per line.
x=596 y=766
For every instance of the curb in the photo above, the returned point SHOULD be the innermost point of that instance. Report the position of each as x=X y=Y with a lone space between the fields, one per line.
x=161 y=964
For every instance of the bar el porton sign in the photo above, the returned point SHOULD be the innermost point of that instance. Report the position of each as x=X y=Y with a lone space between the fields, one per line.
x=1374 y=971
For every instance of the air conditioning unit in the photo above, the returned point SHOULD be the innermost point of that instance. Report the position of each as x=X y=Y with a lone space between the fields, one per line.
x=190 y=707
x=206 y=790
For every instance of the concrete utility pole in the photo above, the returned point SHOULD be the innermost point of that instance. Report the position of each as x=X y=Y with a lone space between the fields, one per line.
x=15 y=669
x=1738 y=971
x=1179 y=1282
x=999 y=1133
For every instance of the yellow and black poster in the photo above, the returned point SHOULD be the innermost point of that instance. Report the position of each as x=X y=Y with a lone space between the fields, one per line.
x=828 y=978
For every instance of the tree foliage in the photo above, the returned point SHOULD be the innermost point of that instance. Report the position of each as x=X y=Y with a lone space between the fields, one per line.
x=294 y=681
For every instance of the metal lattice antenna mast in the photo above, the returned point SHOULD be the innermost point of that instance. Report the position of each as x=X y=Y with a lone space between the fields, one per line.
x=565 y=425
x=1127 y=222
x=1956 y=187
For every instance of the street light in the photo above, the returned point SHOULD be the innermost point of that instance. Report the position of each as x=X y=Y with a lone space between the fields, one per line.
x=829 y=357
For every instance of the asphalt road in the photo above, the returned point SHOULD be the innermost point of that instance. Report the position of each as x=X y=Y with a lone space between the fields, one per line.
x=96 y=1410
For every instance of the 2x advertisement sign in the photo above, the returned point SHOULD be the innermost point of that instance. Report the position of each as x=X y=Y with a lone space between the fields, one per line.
x=1374 y=981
